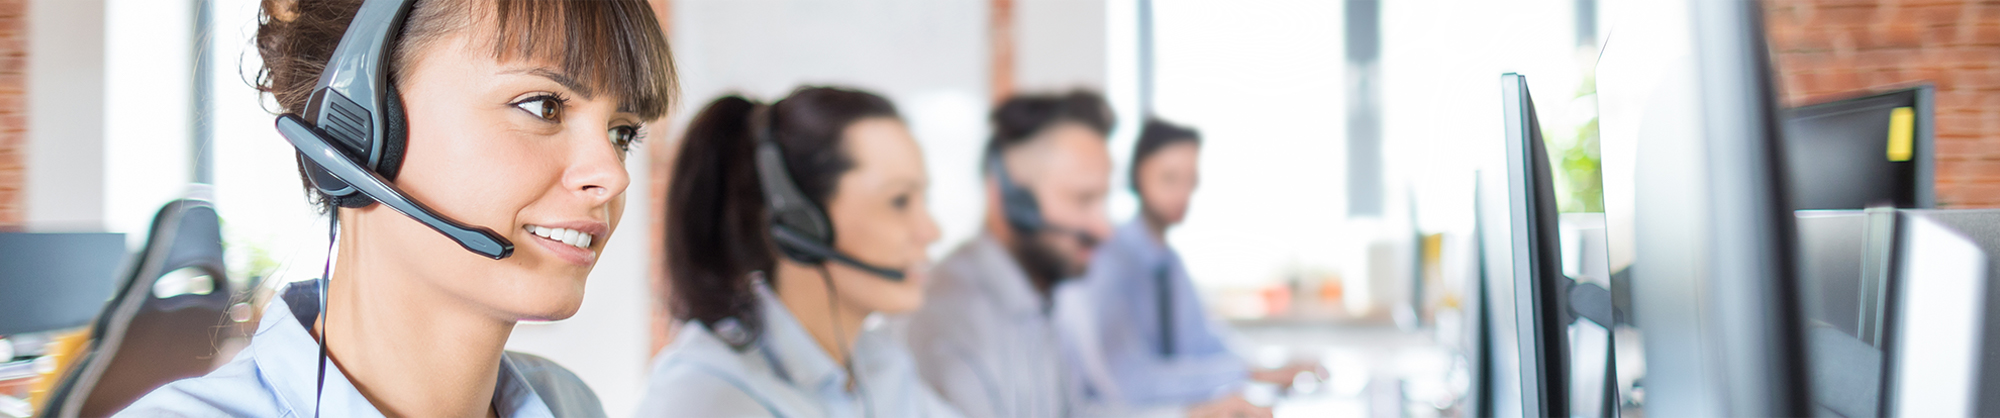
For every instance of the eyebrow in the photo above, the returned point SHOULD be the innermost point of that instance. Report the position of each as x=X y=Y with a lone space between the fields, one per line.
x=565 y=80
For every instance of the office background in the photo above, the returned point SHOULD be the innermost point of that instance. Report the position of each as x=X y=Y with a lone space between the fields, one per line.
x=1334 y=127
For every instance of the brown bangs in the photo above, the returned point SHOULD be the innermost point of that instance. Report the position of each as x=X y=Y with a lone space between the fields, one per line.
x=609 y=46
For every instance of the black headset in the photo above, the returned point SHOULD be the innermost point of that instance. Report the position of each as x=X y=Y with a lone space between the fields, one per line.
x=1018 y=204
x=1022 y=210
x=353 y=133
x=799 y=227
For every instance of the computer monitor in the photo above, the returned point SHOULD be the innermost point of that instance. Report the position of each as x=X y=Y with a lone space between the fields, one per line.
x=1523 y=268
x=52 y=281
x=1862 y=152
x=1714 y=278
x=1939 y=344
x=1479 y=338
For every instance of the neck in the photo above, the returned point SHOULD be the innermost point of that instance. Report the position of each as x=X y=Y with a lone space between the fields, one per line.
x=1157 y=227
x=410 y=349
x=805 y=293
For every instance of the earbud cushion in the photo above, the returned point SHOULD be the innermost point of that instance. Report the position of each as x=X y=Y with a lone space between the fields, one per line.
x=395 y=134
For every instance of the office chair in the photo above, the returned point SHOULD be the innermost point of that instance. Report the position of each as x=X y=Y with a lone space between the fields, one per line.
x=142 y=341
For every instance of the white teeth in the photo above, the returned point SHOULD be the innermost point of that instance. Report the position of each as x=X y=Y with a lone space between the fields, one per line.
x=567 y=236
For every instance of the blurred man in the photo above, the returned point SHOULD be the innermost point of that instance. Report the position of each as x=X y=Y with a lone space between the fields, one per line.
x=984 y=338
x=1141 y=334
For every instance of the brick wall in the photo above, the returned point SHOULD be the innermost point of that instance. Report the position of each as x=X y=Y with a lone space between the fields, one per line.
x=13 y=111
x=1830 y=49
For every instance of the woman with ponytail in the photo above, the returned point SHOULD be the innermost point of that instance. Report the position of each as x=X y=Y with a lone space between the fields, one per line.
x=775 y=327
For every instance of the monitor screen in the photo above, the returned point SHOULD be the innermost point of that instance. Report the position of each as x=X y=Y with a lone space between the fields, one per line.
x=52 y=281
x=1861 y=152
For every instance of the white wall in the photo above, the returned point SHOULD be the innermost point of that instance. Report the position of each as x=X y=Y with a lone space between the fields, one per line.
x=1059 y=45
x=65 y=156
x=1263 y=84
x=148 y=110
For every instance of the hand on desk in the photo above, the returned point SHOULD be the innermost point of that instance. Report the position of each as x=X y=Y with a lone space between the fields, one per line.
x=1233 y=406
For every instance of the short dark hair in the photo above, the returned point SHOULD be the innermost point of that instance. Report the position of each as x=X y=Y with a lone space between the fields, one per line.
x=1022 y=117
x=716 y=218
x=1157 y=135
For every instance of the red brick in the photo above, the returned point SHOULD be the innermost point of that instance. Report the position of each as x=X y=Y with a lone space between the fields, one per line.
x=1835 y=81
x=13 y=145
x=1985 y=34
x=1902 y=35
x=1955 y=146
x=1877 y=59
x=1979 y=79
x=1844 y=16
x=1973 y=195
x=1989 y=12
x=1948 y=99
x=1940 y=14
x=1975 y=57
x=1955 y=124
x=1805 y=61
x=1941 y=78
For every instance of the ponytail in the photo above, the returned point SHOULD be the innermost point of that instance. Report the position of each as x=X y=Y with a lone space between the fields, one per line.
x=715 y=219
x=717 y=227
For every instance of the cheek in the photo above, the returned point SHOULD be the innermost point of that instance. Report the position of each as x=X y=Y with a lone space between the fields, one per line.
x=479 y=175
x=879 y=240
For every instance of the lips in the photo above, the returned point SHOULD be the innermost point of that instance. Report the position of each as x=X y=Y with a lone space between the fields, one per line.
x=570 y=241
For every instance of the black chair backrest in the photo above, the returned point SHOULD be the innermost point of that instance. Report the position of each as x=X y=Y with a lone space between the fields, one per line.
x=143 y=341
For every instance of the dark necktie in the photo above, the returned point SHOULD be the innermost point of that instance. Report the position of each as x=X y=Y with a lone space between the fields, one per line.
x=1163 y=289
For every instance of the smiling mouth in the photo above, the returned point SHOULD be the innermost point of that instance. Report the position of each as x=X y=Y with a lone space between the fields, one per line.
x=572 y=237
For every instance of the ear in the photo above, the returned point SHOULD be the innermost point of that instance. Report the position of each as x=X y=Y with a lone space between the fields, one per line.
x=996 y=216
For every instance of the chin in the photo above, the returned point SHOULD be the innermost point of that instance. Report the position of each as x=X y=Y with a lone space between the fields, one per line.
x=540 y=299
x=553 y=311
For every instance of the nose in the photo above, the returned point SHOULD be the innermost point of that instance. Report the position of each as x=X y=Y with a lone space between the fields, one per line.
x=597 y=172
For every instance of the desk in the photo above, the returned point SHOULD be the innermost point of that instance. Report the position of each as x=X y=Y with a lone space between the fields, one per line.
x=1372 y=367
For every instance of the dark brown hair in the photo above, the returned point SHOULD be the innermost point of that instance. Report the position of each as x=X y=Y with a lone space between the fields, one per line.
x=1020 y=118
x=609 y=46
x=716 y=217
x=1157 y=135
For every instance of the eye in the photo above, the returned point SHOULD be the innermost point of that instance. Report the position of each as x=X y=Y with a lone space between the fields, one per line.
x=901 y=202
x=549 y=107
x=625 y=138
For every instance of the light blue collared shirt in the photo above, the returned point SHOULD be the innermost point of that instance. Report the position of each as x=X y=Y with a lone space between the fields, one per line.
x=986 y=340
x=783 y=374
x=1154 y=357
x=277 y=376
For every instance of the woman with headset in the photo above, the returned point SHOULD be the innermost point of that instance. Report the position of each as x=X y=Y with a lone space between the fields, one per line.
x=789 y=224
x=427 y=128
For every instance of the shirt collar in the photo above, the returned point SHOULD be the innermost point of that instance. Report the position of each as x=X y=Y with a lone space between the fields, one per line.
x=287 y=356
x=1136 y=237
x=1002 y=277
x=796 y=356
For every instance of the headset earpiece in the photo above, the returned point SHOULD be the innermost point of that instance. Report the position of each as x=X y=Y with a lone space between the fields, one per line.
x=353 y=135
x=1018 y=204
x=799 y=228
x=395 y=134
